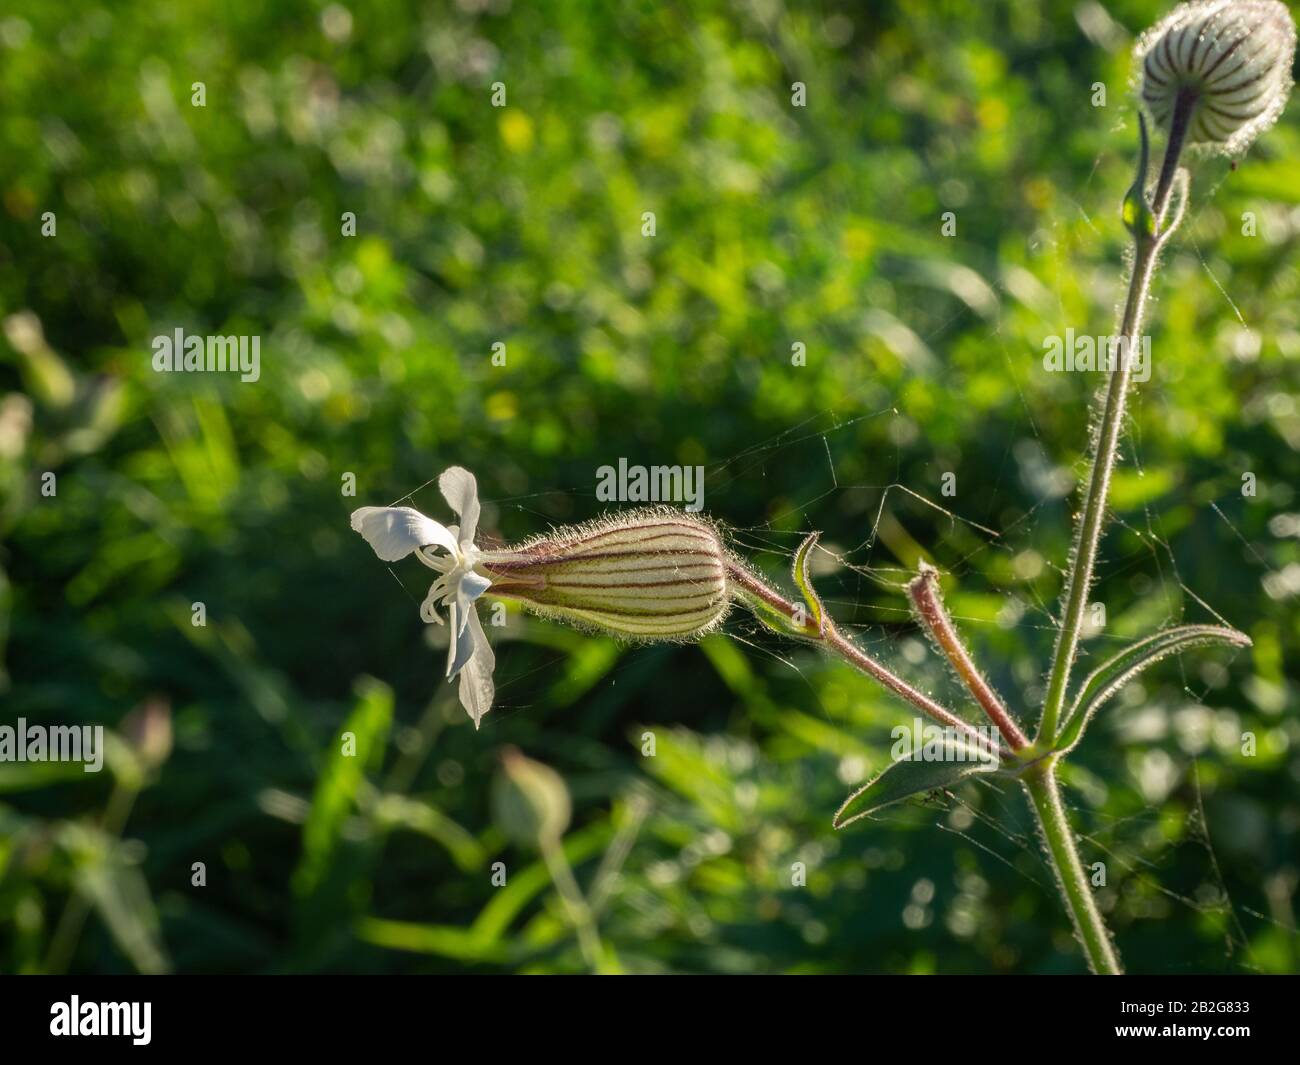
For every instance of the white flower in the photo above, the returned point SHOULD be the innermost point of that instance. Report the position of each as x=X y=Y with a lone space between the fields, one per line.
x=639 y=575
x=395 y=532
x=1227 y=62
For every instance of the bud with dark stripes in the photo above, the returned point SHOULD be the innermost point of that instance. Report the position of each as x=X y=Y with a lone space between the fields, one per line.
x=1223 y=67
x=643 y=574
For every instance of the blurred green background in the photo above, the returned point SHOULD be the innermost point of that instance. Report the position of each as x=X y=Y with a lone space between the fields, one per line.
x=775 y=225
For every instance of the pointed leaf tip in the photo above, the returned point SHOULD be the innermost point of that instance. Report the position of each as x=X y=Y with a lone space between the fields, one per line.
x=902 y=779
x=1138 y=217
x=803 y=579
x=1111 y=676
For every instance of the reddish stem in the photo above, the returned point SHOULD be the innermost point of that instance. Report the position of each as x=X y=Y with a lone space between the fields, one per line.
x=924 y=593
x=854 y=655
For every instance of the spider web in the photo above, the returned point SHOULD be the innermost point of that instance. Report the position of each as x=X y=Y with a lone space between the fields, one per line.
x=998 y=826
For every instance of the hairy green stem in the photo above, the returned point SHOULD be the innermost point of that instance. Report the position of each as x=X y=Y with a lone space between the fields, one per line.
x=1040 y=782
x=1058 y=840
x=1105 y=443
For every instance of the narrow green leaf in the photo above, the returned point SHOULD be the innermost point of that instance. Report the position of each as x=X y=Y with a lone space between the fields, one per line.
x=358 y=747
x=120 y=894
x=416 y=815
x=767 y=614
x=1136 y=212
x=803 y=578
x=445 y=941
x=902 y=780
x=1114 y=673
x=1138 y=217
x=107 y=877
x=524 y=885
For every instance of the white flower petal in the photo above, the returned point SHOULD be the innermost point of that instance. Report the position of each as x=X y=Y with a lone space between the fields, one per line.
x=461 y=647
x=472 y=585
x=394 y=532
x=461 y=492
x=477 y=689
x=464 y=610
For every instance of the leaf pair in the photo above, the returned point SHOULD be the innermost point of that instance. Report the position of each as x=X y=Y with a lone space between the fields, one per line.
x=904 y=779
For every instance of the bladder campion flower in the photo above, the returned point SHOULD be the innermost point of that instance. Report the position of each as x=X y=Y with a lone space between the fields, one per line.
x=1227 y=62
x=644 y=574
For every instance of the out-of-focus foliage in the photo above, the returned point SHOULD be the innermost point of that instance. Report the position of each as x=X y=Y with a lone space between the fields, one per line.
x=775 y=225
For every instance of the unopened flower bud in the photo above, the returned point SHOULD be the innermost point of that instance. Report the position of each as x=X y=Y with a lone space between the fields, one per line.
x=529 y=800
x=148 y=728
x=1225 y=63
x=645 y=574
